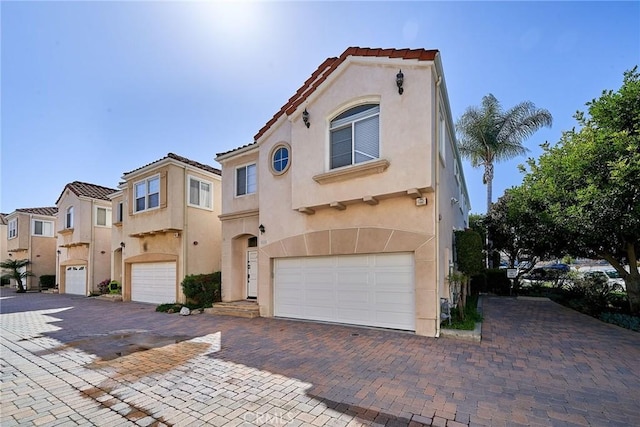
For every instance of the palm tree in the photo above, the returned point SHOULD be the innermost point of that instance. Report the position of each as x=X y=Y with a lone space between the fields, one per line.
x=17 y=271
x=488 y=135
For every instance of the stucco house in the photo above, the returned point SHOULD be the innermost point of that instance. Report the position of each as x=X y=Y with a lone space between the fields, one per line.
x=84 y=237
x=343 y=208
x=3 y=243
x=165 y=227
x=31 y=236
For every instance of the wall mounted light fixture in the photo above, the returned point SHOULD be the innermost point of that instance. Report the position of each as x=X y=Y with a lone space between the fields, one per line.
x=262 y=229
x=400 y=81
x=305 y=118
x=195 y=243
x=122 y=245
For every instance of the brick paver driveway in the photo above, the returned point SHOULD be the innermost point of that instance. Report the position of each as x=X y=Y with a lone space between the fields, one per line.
x=72 y=360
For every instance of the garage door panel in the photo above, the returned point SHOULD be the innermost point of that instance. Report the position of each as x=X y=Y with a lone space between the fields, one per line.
x=372 y=290
x=353 y=261
x=153 y=282
x=76 y=280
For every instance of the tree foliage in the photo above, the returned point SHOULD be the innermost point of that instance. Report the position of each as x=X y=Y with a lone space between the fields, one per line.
x=16 y=269
x=583 y=194
x=487 y=134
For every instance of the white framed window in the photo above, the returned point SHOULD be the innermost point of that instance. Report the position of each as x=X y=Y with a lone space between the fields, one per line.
x=12 y=228
x=103 y=216
x=355 y=136
x=246 y=180
x=42 y=228
x=199 y=193
x=147 y=194
x=68 y=217
x=119 y=211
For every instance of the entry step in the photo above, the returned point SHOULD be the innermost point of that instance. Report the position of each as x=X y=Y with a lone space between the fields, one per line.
x=242 y=308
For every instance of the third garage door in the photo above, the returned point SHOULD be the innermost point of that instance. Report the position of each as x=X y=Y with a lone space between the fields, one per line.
x=371 y=290
x=153 y=282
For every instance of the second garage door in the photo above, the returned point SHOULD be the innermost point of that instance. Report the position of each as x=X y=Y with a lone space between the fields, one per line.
x=153 y=282
x=76 y=280
x=371 y=290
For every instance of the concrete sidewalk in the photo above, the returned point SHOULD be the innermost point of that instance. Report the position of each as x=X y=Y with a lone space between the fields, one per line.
x=73 y=360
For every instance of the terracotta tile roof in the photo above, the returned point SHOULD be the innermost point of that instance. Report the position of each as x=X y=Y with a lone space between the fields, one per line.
x=47 y=211
x=183 y=160
x=328 y=67
x=88 y=190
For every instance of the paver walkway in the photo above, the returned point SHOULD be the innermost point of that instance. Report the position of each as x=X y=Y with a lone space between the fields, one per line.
x=67 y=360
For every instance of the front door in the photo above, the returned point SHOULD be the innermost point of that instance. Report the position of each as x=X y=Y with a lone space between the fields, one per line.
x=252 y=274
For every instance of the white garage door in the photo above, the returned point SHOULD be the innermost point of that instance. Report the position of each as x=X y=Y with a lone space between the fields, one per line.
x=372 y=290
x=153 y=282
x=76 y=280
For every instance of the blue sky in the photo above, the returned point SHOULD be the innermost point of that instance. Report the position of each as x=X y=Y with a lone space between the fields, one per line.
x=90 y=90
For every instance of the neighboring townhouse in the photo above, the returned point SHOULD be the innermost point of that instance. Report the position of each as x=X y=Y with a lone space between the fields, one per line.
x=166 y=227
x=344 y=207
x=31 y=236
x=84 y=237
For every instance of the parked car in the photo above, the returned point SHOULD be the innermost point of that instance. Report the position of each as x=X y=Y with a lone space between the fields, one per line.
x=552 y=274
x=613 y=277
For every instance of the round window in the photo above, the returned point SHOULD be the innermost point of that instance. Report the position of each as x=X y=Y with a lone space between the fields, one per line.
x=280 y=159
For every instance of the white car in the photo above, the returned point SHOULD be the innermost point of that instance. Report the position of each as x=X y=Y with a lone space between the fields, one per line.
x=613 y=278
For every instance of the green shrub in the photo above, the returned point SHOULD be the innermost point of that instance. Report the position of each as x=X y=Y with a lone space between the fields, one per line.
x=472 y=316
x=624 y=320
x=202 y=290
x=497 y=281
x=48 y=281
x=478 y=284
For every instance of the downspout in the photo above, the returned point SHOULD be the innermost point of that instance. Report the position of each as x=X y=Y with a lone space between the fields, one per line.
x=183 y=238
x=27 y=279
x=437 y=207
x=92 y=241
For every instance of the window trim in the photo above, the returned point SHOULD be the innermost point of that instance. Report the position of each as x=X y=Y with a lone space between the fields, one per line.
x=349 y=121
x=272 y=154
x=43 y=221
x=188 y=192
x=108 y=215
x=147 y=194
x=12 y=225
x=235 y=177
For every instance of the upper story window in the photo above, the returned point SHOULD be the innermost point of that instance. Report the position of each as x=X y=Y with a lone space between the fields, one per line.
x=12 y=228
x=199 y=193
x=147 y=194
x=42 y=228
x=355 y=136
x=442 y=134
x=119 y=211
x=280 y=159
x=103 y=216
x=246 y=180
x=68 y=218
